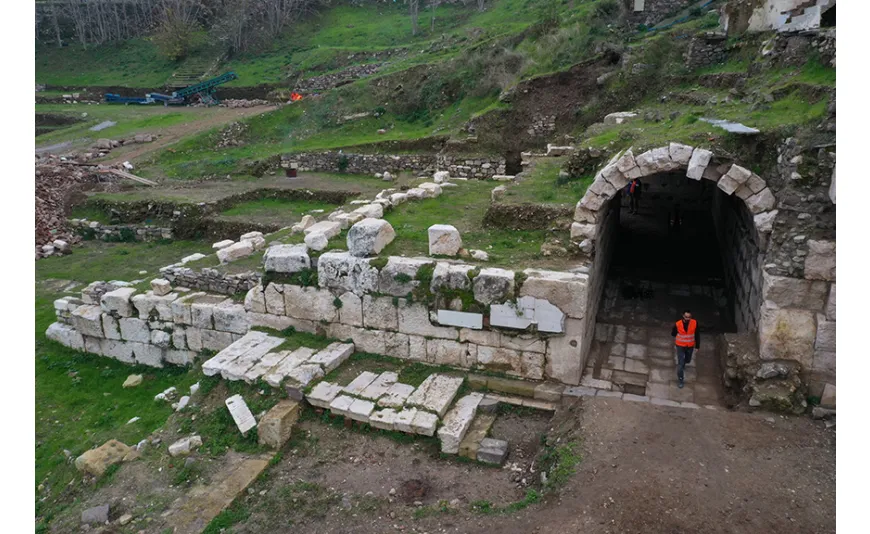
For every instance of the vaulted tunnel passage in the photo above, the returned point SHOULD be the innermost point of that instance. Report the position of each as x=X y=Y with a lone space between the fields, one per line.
x=689 y=246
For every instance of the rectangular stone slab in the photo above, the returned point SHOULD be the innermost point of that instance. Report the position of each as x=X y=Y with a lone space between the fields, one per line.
x=285 y=366
x=250 y=340
x=457 y=422
x=360 y=383
x=476 y=432
x=333 y=355
x=241 y=413
x=461 y=319
x=266 y=364
x=436 y=393
x=396 y=396
x=384 y=419
x=236 y=369
x=404 y=419
x=360 y=410
x=492 y=451
x=323 y=394
x=341 y=405
x=379 y=386
x=424 y=423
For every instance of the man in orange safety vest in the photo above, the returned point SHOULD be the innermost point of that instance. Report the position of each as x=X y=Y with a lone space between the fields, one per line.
x=688 y=339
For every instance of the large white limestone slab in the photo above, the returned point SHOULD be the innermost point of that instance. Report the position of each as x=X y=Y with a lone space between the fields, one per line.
x=457 y=421
x=333 y=355
x=424 y=423
x=379 y=386
x=404 y=419
x=241 y=413
x=360 y=410
x=341 y=404
x=358 y=384
x=241 y=355
x=266 y=364
x=436 y=393
x=384 y=419
x=305 y=374
x=461 y=319
x=293 y=360
x=323 y=394
x=396 y=396
x=509 y=315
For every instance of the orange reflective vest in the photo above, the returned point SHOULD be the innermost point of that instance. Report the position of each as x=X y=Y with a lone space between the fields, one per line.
x=686 y=338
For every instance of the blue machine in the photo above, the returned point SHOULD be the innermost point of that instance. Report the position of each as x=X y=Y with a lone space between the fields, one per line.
x=204 y=90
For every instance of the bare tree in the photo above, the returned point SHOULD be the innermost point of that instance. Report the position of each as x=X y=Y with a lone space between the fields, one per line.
x=415 y=8
x=481 y=5
x=179 y=21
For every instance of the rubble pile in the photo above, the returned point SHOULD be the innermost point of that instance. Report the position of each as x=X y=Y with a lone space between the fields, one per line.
x=243 y=103
x=232 y=135
x=55 y=179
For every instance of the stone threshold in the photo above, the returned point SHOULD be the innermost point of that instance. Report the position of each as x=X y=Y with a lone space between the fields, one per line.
x=572 y=393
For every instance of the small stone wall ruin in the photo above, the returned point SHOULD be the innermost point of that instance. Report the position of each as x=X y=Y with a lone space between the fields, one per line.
x=480 y=167
x=120 y=232
x=529 y=324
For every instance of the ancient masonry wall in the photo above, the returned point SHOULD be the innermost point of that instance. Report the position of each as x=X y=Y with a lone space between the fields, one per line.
x=706 y=50
x=458 y=166
x=794 y=308
x=210 y=280
x=120 y=232
x=529 y=324
x=742 y=257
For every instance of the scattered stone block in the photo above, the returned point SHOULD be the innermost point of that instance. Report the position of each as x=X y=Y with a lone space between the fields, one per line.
x=369 y=236
x=241 y=414
x=132 y=381
x=329 y=229
x=161 y=287
x=492 y=451
x=431 y=190
x=222 y=244
x=235 y=251
x=444 y=240
x=117 y=302
x=286 y=259
x=275 y=427
x=98 y=515
x=96 y=461
x=323 y=394
x=371 y=211
x=185 y=446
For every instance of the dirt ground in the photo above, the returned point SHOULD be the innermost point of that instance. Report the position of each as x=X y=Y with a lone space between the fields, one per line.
x=645 y=468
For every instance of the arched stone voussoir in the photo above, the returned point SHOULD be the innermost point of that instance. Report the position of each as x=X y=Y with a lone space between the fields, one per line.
x=624 y=166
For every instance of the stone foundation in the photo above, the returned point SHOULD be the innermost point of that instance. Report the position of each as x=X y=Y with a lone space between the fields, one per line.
x=480 y=167
x=119 y=232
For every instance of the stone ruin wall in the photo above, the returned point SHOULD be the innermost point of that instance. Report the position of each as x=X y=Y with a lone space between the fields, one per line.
x=780 y=251
x=120 y=232
x=480 y=167
x=531 y=324
x=651 y=12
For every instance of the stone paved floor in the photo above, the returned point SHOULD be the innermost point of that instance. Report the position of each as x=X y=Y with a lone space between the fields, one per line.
x=641 y=360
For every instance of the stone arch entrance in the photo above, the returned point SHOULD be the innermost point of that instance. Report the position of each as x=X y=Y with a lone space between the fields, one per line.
x=741 y=213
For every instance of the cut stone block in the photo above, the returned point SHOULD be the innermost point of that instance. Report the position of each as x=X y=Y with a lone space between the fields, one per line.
x=369 y=236
x=235 y=251
x=333 y=355
x=262 y=367
x=493 y=286
x=290 y=362
x=436 y=393
x=461 y=319
x=342 y=271
x=146 y=354
x=230 y=317
x=96 y=461
x=329 y=229
x=241 y=414
x=275 y=427
x=371 y=211
x=476 y=432
x=457 y=422
x=404 y=419
x=444 y=240
x=303 y=375
x=309 y=303
x=323 y=394
x=287 y=259
x=492 y=451
x=424 y=423
x=133 y=329
x=360 y=383
x=698 y=163
x=65 y=335
x=237 y=368
x=88 y=320
x=249 y=341
x=222 y=244
x=379 y=386
x=215 y=340
x=384 y=419
x=396 y=395
x=341 y=404
x=117 y=302
x=160 y=287
x=360 y=410
x=380 y=313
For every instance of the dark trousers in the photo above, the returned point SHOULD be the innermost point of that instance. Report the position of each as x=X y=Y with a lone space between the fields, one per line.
x=684 y=358
x=632 y=202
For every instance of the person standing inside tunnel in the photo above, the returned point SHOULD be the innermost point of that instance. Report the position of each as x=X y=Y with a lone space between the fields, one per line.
x=633 y=189
x=688 y=339
x=675 y=220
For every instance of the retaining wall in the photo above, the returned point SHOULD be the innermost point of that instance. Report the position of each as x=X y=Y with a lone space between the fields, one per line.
x=462 y=166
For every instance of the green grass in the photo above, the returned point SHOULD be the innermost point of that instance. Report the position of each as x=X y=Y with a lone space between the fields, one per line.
x=133 y=63
x=411 y=221
x=542 y=185
x=272 y=210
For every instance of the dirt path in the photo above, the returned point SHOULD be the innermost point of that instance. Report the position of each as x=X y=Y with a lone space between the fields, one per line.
x=654 y=469
x=172 y=134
